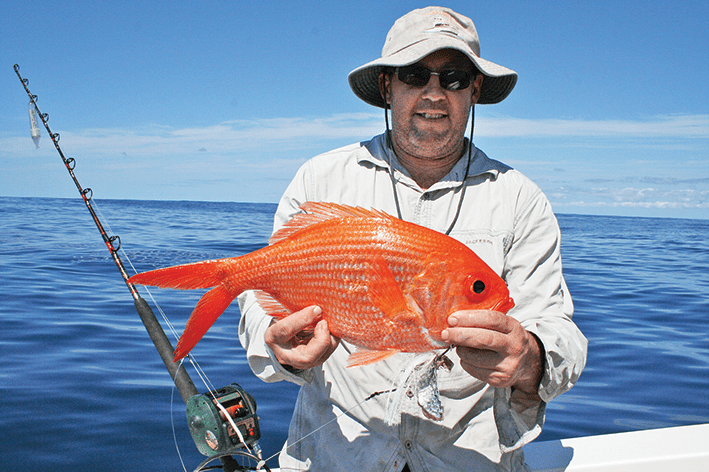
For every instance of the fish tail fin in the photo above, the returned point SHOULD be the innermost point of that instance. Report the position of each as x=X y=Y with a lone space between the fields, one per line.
x=208 y=309
x=204 y=274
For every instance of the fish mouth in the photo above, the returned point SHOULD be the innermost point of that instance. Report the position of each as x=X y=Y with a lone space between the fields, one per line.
x=504 y=305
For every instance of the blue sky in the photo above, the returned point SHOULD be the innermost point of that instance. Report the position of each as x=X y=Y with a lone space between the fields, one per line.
x=224 y=100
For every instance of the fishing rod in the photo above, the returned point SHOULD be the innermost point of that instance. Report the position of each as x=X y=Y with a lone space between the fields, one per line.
x=220 y=421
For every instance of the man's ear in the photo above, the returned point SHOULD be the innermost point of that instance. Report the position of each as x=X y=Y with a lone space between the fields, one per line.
x=477 y=87
x=385 y=86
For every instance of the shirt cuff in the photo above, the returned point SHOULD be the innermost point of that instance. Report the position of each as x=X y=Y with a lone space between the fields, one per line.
x=515 y=429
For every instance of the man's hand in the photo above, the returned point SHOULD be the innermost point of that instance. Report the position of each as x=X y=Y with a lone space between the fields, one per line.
x=496 y=349
x=297 y=344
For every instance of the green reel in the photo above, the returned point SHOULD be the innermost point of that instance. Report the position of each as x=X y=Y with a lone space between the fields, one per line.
x=211 y=418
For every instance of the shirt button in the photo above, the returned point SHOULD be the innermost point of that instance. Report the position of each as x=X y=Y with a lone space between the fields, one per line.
x=409 y=393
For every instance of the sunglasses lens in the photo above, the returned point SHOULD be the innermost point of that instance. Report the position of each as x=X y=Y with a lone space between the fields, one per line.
x=414 y=75
x=454 y=79
x=418 y=76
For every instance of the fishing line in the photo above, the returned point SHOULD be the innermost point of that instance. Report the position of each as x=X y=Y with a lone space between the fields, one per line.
x=210 y=387
x=375 y=394
x=198 y=368
x=181 y=379
x=172 y=423
x=403 y=380
x=103 y=218
x=179 y=375
x=202 y=374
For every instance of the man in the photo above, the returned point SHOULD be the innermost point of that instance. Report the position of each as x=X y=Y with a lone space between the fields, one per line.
x=505 y=368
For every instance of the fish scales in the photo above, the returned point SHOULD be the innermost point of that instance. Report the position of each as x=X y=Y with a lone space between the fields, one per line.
x=384 y=285
x=342 y=288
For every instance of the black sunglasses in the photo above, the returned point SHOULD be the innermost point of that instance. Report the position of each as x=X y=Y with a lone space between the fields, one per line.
x=418 y=76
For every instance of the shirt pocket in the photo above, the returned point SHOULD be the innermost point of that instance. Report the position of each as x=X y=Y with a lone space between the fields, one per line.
x=490 y=246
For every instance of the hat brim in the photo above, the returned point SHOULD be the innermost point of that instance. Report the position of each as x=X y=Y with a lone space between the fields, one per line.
x=364 y=81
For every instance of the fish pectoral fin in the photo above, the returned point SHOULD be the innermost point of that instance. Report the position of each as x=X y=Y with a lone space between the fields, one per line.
x=384 y=293
x=208 y=309
x=270 y=305
x=429 y=288
x=366 y=356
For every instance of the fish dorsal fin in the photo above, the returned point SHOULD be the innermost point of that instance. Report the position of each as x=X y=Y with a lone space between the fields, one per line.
x=317 y=212
x=327 y=210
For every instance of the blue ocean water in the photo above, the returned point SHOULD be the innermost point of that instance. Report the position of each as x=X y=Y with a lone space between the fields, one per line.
x=82 y=387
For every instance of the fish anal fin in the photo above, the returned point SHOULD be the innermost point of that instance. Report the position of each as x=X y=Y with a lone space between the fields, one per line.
x=384 y=293
x=208 y=309
x=317 y=212
x=270 y=305
x=274 y=308
x=364 y=357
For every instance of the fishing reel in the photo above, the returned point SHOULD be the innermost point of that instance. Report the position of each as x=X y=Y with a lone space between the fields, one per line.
x=223 y=420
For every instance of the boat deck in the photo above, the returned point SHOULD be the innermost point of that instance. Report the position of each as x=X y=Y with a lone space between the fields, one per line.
x=682 y=448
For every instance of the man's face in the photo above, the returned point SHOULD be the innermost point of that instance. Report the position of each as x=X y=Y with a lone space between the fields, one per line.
x=429 y=121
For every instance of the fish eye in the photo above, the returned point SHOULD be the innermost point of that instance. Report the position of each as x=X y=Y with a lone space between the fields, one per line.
x=478 y=286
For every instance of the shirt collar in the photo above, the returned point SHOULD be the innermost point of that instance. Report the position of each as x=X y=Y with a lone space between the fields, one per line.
x=378 y=153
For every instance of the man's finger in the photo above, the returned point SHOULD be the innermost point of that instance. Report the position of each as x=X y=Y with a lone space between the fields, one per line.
x=486 y=319
x=286 y=329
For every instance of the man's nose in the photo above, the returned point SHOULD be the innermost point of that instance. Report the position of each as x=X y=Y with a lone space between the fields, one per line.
x=433 y=90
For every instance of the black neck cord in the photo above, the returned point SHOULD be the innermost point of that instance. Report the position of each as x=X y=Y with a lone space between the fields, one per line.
x=465 y=178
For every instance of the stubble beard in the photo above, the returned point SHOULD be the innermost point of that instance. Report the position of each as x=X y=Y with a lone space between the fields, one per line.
x=427 y=143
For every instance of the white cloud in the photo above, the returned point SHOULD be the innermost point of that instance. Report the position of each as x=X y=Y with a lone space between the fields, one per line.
x=674 y=126
x=650 y=205
x=227 y=137
x=640 y=198
x=270 y=150
x=274 y=133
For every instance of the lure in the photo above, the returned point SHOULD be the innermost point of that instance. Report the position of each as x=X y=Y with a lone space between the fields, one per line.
x=34 y=127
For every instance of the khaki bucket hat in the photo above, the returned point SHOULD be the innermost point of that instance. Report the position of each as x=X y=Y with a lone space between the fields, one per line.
x=421 y=32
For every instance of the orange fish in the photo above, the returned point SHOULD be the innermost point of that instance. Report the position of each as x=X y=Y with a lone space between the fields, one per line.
x=384 y=284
